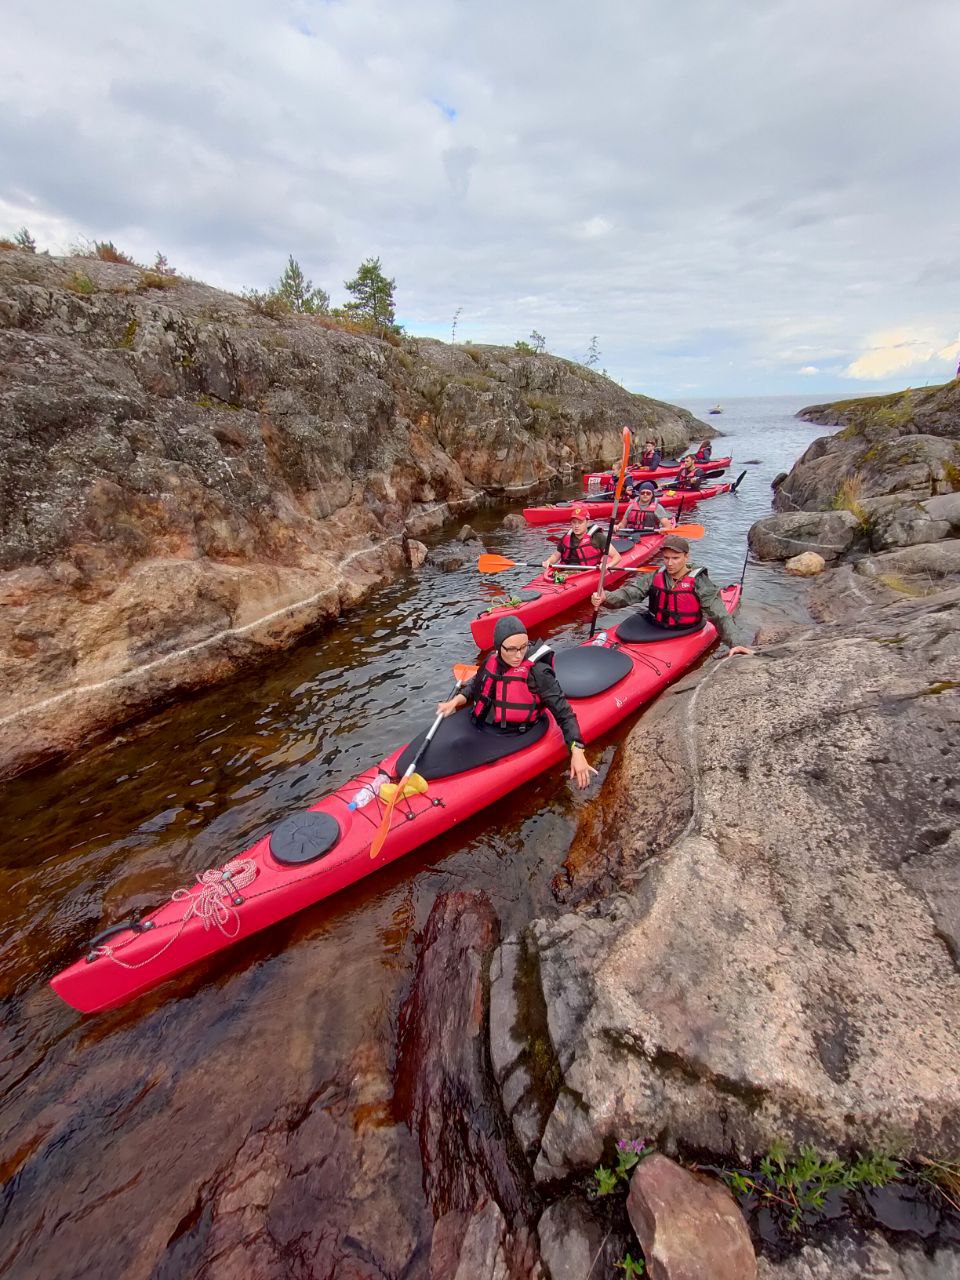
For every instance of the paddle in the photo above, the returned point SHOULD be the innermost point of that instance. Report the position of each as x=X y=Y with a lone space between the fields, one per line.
x=491 y=563
x=691 y=531
x=736 y=483
x=624 y=459
x=462 y=674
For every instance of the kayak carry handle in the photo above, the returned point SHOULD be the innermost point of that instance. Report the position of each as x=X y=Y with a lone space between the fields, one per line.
x=134 y=923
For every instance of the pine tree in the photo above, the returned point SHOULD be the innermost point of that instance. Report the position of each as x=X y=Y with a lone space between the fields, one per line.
x=372 y=295
x=161 y=266
x=538 y=341
x=592 y=358
x=298 y=292
x=24 y=240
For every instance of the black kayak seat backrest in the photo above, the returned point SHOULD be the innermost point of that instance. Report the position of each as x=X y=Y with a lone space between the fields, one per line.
x=589 y=669
x=304 y=837
x=459 y=744
x=640 y=628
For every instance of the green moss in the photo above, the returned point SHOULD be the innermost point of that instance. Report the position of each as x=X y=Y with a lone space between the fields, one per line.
x=942 y=686
x=951 y=473
x=129 y=334
x=894 y=582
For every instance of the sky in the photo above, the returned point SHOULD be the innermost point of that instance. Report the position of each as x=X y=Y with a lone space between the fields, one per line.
x=734 y=196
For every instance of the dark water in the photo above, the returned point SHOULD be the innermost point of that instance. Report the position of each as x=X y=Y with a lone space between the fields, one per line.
x=119 y=1130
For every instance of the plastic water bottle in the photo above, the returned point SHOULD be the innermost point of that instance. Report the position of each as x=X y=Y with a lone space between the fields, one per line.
x=366 y=793
x=600 y=638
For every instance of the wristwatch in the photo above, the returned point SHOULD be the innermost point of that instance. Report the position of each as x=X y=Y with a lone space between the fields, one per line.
x=575 y=744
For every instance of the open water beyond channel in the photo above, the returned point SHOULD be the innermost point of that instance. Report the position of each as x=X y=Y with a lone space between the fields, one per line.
x=118 y=1133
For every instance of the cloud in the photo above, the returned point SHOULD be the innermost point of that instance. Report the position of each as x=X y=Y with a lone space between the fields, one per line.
x=685 y=194
x=809 y=370
x=901 y=351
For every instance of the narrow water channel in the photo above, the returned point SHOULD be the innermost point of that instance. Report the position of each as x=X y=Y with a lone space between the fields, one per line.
x=121 y=1133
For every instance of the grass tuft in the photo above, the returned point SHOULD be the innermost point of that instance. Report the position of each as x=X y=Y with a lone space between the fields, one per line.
x=81 y=283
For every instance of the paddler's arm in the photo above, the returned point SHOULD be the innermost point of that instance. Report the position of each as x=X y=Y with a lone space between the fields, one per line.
x=462 y=699
x=554 y=699
x=632 y=592
x=711 y=602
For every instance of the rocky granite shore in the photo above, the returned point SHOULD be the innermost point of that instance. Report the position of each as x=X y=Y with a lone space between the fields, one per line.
x=188 y=485
x=762 y=940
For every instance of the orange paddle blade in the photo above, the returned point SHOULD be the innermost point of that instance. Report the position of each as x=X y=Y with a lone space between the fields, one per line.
x=384 y=828
x=692 y=531
x=462 y=673
x=624 y=460
x=494 y=564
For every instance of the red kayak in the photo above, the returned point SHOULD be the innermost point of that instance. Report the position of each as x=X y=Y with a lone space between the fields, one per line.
x=559 y=513
x=544 y=597
x=316 y=853
x=604 y=479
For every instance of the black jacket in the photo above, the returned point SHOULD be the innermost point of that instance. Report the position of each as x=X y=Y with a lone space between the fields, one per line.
x=542 y=681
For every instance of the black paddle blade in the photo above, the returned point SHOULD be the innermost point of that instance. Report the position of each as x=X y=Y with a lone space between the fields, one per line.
x=736 y=483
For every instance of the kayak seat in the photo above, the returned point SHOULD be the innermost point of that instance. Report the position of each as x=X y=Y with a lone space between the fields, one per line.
x=459 y=745
x=640 y=628
x=304 y=837
x=586 y=670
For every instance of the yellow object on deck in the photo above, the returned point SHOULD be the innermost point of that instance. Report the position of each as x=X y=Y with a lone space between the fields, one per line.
x=412 y=786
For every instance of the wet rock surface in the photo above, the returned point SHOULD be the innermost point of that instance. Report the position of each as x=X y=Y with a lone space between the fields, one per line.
x=783 y=957
x=189 y=485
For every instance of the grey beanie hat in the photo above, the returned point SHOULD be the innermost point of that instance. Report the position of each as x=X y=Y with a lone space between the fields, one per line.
x=507 y=627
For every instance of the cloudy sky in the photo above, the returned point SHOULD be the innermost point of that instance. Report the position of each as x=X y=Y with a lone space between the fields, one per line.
x=735 y=196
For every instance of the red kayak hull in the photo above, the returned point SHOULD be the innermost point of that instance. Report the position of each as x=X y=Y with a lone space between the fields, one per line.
x=135 y=962
x=604 y=478
x=603 y=510
x=557 y=597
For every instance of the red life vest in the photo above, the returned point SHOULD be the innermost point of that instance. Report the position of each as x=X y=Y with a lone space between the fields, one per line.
x=504 y=696
x=688 y=479
x=704 y=453
x=674 y=605
x=583 y=553
x=649 y=460
x=643 y=518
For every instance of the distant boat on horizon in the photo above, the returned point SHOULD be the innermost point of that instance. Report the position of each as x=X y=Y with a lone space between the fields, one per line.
x=716 y=409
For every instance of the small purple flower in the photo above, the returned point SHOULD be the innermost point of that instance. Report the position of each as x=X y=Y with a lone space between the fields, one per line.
x=637 y=1145
x=622 y=1145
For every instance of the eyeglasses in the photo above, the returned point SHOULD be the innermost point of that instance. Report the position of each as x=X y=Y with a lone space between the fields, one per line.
x=515 y=648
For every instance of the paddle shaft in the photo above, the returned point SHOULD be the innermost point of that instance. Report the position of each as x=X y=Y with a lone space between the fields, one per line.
x=577 y=568
x=613 y=520
x=412 y=767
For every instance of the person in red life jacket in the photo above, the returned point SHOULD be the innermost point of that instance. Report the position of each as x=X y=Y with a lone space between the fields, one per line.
x=677 y=596
x=512 y=690
x=649 y=456
x=689 y=477
x=644 y=514
x=580 y=546
x=704 y=451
